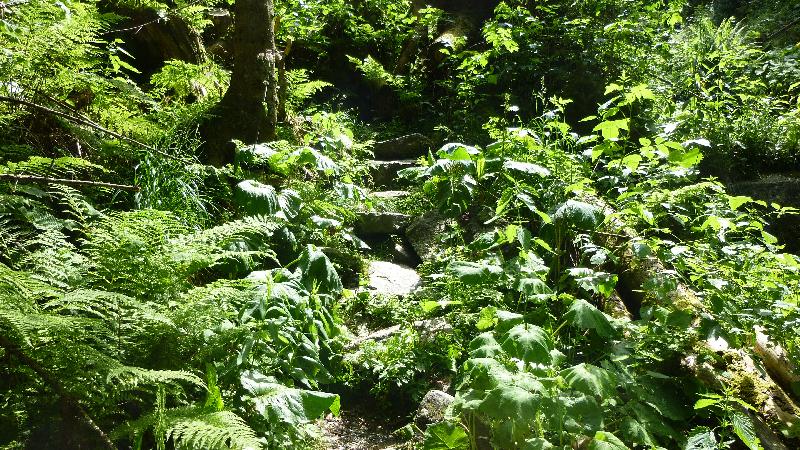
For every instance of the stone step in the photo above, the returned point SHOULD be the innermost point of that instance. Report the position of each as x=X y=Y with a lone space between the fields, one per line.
x=390 y=195
x=404 y=147
x=384 y=173
x=392 y=279
x=427 y=329
x=381 y=223
x=425 y=232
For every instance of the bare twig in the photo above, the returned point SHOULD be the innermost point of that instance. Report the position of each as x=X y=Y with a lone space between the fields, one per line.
x=782 y=29
x=139 y=27
x=35 y=179
x=88 y=122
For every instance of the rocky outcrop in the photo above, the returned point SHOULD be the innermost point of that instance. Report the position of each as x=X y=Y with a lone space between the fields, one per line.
x=424 y=232
x=404 y=147
x=780 y=189
x=433 y=408
x=384 y=173
x=381 y=223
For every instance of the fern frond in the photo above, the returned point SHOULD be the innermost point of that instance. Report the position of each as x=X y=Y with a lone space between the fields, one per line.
x=221 y=430
x=248 y=233
x=20 y=290
x=129 y=377
x=64 y=167
x=192 y=428
x=74 y=204
x=29 y=329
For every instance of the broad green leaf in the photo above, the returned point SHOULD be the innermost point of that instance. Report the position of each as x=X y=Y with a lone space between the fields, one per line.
x=745 y=430
x=537 y=444
x=454 y=151
x=706 y=402
x=469 y=272
x=445 y=436
x=632 y=161
x=701 y=438
x=315 y=159
x=289 y=202
x=600 y=282
x=637 y=432
x=686 y=158
x=505 y=320
x=580 y=215
x=256 y=198
x=317 y=272
x=603 y=440
x=584 y=315
x=590 y=380
x=487 y=373
x=583 y=414
x=527 y=168
x=735 y=202
x=485 y=346
x=529 y=343
x=281 y=404
x=510 y=402
x=610 y=128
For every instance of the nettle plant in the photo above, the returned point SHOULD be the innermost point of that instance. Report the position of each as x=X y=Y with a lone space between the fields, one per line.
x=519 y=390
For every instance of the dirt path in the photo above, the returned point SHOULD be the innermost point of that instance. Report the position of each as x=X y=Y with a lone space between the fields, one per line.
x=356 y=430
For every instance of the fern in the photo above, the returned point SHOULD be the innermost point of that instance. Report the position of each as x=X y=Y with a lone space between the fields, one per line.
x=301 y=88
x=193 y=428
x=64 y=167
x=127 y=377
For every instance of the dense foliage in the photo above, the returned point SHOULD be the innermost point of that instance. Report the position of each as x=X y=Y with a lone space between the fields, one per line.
x=600 y=285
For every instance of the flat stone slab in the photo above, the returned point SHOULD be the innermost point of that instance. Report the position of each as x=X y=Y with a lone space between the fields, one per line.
x=388 y=195
x=384 y=173
x=388 y=278
x=403 y=147
x=424 y=232
x=375 y=223
x=427 y=329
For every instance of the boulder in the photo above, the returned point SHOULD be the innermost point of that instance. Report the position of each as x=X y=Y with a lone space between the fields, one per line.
x=390 y=195
x=404 y=147
x=403 y=253
x=424 y=234
x=785 y=191
x=433 y=408
x=387 y=278
x=427 y=329
x=384 y=173
x=381 y=223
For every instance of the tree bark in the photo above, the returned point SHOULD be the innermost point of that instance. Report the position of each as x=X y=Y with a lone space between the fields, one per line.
x=241 y=113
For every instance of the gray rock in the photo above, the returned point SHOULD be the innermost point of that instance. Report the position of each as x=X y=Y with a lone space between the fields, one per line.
x=384 y=173
x=425 y=233
x=403 y=253
x=374 y=223
x=780 y=189
x=390 y=195
x=433 y=408
x=387 y=278
x=427 y=329
x=404 y=147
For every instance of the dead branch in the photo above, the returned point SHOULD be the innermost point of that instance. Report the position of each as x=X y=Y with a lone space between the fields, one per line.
x=79 y=183
x=88 y=122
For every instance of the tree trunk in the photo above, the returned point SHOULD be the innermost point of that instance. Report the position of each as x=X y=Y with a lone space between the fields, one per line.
x=241 y=113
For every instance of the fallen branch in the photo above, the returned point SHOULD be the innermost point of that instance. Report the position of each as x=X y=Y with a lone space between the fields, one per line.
x=88 y=122
x=80 y=183
x=56 y=386
x=774 y=407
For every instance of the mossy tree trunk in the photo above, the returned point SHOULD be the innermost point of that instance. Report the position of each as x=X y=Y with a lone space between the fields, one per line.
x=241 y=114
